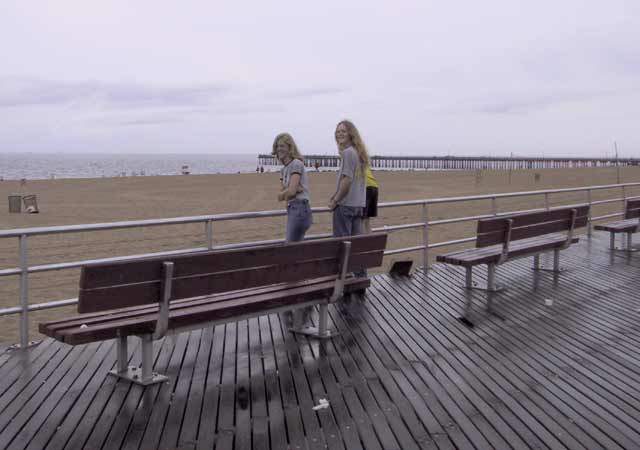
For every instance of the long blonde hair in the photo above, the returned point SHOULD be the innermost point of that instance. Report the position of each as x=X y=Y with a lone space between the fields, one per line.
x=294 y=152
x=357 y=143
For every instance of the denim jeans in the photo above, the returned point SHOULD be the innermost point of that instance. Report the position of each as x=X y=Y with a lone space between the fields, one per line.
x=299 y=219
x=347 y=221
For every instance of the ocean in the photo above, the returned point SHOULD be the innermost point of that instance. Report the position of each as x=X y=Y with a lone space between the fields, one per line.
x=39 y=166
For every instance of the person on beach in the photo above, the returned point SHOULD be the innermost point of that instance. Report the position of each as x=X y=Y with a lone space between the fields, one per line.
x=295 y=187
x=348 y=201
x=371 y=202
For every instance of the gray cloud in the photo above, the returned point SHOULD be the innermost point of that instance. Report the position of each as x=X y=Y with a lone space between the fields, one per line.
x=525 y=104
x=416 y=76
x=530 y=102
x=135 y=118
x=143 y=121
x=24 y=91
x=311 y=92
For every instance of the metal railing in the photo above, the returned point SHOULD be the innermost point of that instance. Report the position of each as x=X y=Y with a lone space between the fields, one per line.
x=23 y=235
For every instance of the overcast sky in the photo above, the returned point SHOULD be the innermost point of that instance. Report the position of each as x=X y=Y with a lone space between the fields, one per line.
x=417 y=77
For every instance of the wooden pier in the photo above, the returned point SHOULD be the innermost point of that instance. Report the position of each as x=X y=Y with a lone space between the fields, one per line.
x=460 y=162
x=402 y=374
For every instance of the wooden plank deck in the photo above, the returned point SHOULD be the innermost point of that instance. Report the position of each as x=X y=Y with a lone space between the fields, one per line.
x=402 y=374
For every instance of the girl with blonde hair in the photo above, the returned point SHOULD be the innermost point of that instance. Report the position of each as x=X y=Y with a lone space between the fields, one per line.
x=348 y=201
x=295 y=186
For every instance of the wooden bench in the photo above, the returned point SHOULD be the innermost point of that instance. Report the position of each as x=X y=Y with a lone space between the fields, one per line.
x=502 y=239
x=628 y=225
x=152 y=297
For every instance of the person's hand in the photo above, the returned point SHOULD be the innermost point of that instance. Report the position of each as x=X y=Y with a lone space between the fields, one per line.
x=332 y=204
x=281 y=197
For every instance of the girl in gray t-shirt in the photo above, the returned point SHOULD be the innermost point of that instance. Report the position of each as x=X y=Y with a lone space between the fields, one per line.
x=349 y=199
x=295 y=187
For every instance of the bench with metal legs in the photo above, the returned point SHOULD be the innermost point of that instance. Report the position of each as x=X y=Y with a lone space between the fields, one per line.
x=152 y=298
x=504 y=239
x=629 y=225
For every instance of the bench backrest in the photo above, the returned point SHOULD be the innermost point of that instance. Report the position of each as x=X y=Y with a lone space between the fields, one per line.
x=109 y=286
x=494 y=230
x=632 y=209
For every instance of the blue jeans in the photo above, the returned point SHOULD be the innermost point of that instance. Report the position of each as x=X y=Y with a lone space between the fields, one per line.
x=299 y=219
x=347 y=221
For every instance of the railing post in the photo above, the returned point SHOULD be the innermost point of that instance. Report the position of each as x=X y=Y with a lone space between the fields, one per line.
x=589 y=224
x=208 y=229
x=546 y=201
x=494 y=206
x=425 y=238
x=24 y=293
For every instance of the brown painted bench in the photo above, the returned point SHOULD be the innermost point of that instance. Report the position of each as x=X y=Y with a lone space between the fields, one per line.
x=152 y=297
x=628 y=225
x=505 y=238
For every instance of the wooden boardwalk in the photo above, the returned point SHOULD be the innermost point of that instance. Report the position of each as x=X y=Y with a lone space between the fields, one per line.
x=403 y=373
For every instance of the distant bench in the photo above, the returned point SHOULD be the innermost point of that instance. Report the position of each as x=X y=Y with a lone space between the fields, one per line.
x=628 y=225
x=152 y=297
x=505 y=238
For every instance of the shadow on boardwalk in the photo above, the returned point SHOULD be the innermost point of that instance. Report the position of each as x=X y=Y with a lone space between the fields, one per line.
x=402 y=374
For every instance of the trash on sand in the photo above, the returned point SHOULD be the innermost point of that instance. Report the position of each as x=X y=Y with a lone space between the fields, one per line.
x=548 y=301
x=84 y=325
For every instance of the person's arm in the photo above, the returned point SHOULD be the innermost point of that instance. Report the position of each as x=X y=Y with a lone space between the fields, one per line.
x=349 y=167
x=292 y=190
x=343 y=190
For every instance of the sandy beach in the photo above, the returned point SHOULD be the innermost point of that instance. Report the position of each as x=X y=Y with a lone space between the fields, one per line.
x=80 y=201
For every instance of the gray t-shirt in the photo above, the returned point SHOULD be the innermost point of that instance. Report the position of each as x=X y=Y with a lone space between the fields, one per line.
x=350 y=167
x=296 y=166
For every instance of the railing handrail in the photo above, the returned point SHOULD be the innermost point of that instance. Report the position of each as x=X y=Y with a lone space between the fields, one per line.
x=17 y=232
x=24 y=233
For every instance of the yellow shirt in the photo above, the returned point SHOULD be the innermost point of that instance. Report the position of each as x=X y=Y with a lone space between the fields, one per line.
x=371 y=182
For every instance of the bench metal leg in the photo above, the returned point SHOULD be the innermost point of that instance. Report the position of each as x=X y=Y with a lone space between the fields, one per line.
x=491 y=277
x=123 y=355
x=556 y=263
x=612 y=241
x=624 y=247
x=490 y=286
x=320 y=332
x=147 y=359
x=491 y=289
x=140 y=375
x=297 y=319
x=323 y=320
x=630 y=247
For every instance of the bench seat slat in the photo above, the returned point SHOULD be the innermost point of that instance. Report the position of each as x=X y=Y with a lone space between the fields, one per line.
x=526 y=219
x=487 y=255
x=147 y=269
x=188 y=314
x=134 y=311
x=632 y=209
x=492 y=238
x=148 y=292
x=621 y=226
